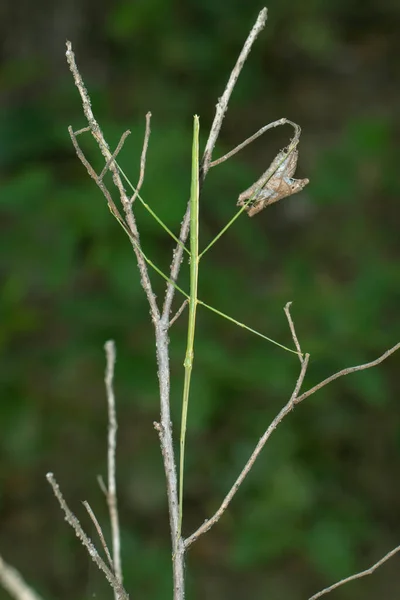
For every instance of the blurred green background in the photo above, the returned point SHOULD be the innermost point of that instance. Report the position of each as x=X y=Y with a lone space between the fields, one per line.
x=323 y=499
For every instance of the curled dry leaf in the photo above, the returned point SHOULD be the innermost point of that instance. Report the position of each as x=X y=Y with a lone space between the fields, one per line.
x=276 y=183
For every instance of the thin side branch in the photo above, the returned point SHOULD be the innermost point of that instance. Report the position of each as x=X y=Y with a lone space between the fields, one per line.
x=347 y=371
x=111 y=204
x=251 y=139
x=293 y=330
x=14 y=584
x=162 y=322
x=86 y=541
x=357 y=575
x=99 y=532
x=255 y=454
x=111 y=464
x=143 y=158
x=223 y=102
x=115 y=153
x=129 y=221
x=295 y=399
x=178 y=312
x=221 y=108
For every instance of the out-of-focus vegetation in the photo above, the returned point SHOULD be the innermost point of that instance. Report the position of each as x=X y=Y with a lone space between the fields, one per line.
x=323 y=499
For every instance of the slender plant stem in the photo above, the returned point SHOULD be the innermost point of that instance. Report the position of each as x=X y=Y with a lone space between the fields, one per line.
x=99 y=533
x=292 y=329
x=369 y=571
x=194 y=276
x=86 y=541
x=223 y=102
x=143 y=158
x=112 y=501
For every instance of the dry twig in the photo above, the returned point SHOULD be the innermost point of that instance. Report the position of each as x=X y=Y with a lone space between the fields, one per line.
x=347 y=371
x=356 y=575
x=143 y=158
x=14 y=584
x=251 y=139
x=293 y=330
x=221 y=108
x=115 y=153
x=111 y=464
x=222 y=105
x=295 y=399
x=255 y=454
x=86 y=541
x=99 y=532
x=129 y=220
x=178 y=312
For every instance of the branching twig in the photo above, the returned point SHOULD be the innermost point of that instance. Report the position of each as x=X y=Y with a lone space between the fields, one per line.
x=295 y=399
x=99 y=181
x=105 y=150
x=111 y=465
x=356 y=575
x=223 y=102
x=221 y=109
x=99 y=532
x=143 y=158
x=347 y=371
x=256 y=452
x=86 y=541
x=14 y=584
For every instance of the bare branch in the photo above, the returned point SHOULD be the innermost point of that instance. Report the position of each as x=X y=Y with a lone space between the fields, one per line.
x=251 y=139
x=112 y=444
x=347 y=371
x=14 y=584
x=115 y=153
x=357 y=575
x=83 y=130
x=221 y=109
x=105 y=150
x=293 y=330
x=162 y=322
x=178 y=312
x=102 y=485
x=99 y=532
x=255 y=454
x=295 y=399
x=222 y=105
x=86 y=541
x=114 y=210
x=143 y=158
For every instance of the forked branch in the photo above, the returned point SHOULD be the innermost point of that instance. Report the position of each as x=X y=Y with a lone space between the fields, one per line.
x=295 y=399
x=86 y=541
x=356 y=575
x=255 y=454
x=221 y=108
